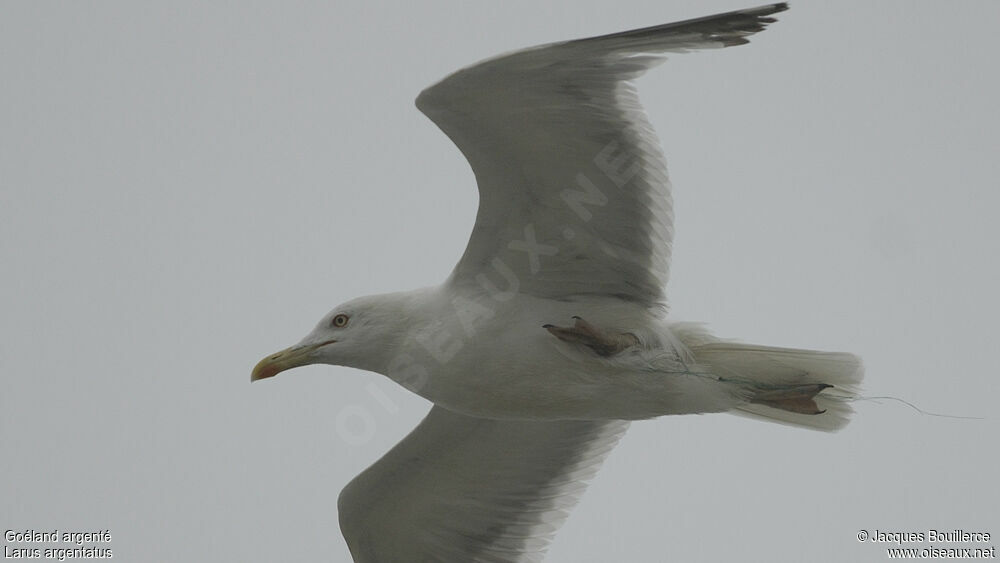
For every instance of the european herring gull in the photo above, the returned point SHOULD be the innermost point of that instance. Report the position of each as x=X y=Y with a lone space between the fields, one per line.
x=551 y=333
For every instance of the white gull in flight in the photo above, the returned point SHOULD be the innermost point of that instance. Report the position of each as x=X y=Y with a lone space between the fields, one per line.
x=551 y=332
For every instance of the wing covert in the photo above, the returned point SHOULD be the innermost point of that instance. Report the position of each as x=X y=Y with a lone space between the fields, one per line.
x=573 y=187
x=459 y=488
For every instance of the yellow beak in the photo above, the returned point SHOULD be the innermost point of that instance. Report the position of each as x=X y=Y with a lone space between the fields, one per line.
x=286 y=359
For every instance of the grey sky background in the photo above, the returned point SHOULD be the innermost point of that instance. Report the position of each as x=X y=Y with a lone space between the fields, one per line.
x=186 y=187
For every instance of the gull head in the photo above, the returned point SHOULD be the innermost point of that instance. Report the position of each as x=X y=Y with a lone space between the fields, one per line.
x=360 y=333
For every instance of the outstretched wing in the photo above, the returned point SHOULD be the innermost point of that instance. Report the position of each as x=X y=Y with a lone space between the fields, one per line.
x=573 y=189
x=468 y=489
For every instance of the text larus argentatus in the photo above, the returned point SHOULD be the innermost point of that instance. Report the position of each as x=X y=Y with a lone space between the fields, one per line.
x=551 y=332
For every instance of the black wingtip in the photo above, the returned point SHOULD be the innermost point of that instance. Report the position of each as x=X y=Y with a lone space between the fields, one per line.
x=729 y=28
x=766 y=10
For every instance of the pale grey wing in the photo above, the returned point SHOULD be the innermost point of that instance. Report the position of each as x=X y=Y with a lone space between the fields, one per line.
x=468 y=489
x=573 y=189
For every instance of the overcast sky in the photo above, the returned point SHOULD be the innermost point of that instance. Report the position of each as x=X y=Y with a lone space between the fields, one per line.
x=186 y=187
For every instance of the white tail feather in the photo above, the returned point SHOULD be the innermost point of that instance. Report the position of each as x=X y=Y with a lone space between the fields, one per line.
x=766 y=367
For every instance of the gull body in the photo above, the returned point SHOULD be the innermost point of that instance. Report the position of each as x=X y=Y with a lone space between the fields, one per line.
x=575 y=226
x=460 y=352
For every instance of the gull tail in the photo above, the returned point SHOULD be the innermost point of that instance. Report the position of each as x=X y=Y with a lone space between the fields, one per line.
x=802 y=388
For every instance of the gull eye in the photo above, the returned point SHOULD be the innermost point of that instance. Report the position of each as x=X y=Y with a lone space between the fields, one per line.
x=340 y=320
